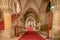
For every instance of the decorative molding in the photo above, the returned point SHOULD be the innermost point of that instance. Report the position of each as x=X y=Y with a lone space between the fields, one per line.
x=7 y=9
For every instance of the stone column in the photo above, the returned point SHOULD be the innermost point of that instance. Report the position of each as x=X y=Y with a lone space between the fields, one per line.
x=56 y=23
x=43 y=21
x=7 y=23
x=7 y=10
x=56 y=20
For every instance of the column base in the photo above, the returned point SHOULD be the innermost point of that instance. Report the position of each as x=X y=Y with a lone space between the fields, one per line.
x=56 y=32
x=6 y=35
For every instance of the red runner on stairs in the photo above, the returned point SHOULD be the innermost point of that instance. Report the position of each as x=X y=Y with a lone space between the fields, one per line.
x=31 y=35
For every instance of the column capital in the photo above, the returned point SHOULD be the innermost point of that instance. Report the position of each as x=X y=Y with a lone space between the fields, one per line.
x=7 y=9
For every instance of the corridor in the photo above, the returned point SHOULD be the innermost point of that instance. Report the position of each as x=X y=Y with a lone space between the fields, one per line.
x=29 y=19
x=31 y=35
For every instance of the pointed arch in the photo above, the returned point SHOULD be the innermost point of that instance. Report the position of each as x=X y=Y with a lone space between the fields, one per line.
x=28 y=1
x=34 y=5
x=44 y=5
x=32 y=12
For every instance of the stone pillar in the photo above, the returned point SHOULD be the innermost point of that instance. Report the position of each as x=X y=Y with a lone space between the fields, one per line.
x=43 y=21
x=8 y=24
x=7 y=10
x=56 y=24
x=56 y=20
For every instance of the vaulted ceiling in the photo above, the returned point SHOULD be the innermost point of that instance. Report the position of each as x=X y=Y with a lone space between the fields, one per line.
x=37 y=6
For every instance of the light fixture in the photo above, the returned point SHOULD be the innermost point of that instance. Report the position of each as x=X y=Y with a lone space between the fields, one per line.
x=52 y=7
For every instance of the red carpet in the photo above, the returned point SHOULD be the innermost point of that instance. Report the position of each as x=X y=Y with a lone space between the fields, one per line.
x=1 y=25
x=31 y=35
x=29 y=28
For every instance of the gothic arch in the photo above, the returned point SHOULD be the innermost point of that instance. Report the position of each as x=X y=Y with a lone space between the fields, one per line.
x=28 y=5
x=28 y=1
x=44 y=5
x=32 y=12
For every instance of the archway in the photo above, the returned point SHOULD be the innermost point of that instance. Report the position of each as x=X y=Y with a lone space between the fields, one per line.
x=30 y=22
x=31 y=18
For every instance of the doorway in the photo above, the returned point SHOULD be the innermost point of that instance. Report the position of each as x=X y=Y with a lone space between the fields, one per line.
x=30 y=21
